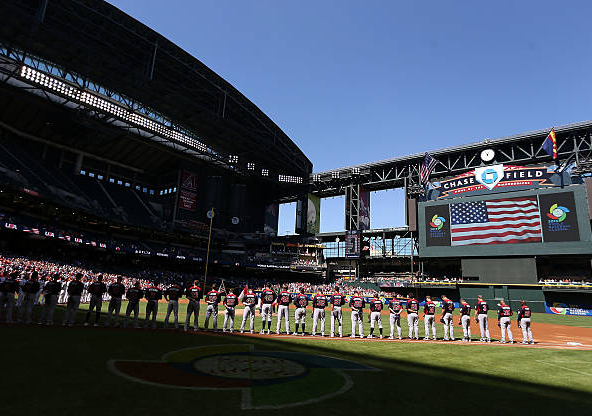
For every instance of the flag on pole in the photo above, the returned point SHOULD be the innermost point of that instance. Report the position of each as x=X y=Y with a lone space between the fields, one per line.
x=550 y=144
x=428 y=165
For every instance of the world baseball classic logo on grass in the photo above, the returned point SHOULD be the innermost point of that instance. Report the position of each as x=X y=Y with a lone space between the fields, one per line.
x=265 y=379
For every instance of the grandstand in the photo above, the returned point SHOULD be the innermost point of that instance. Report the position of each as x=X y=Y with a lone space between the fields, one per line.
x=126 y=144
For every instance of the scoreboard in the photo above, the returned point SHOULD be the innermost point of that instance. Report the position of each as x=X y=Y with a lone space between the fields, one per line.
x=522 y=223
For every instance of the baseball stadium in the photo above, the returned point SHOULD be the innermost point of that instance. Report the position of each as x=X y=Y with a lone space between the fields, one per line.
x=142 y=270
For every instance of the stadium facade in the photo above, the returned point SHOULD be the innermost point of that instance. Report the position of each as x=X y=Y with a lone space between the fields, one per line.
x=113 y=138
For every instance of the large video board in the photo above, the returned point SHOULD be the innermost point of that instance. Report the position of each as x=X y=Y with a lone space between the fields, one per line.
x=544 y=221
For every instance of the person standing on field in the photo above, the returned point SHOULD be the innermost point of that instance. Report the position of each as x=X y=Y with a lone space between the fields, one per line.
x=301 y=302
x=193 y=295
x=133 y=295
x=524 y=322
x=97 y=290
x=504 y=321
x=249 y=300
x=357 y=304
x=465 y=320
x=172 y=295
x=375 y=314
x=447 y=310
x=8 y=289
x=429 y=309
x=116 y=291
x=319 y=303
x=30 y=289
x=412 y=316
x=212 y=299
x=230 y=302
x=51 y=290
x=153 y=294
x=481 y=309
x=337 y=301
x=284 y=300
x=75 y=288
x=267 y=298
x=395 y=309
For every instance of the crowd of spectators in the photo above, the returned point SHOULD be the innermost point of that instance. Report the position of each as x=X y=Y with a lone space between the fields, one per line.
x=565 y=282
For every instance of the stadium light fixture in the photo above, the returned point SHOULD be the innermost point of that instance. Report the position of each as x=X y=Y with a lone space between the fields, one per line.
x=104 y=105
x=233 y=159
x=251 y=166
x=289 y=179
x=264 y=172
x=335 y=175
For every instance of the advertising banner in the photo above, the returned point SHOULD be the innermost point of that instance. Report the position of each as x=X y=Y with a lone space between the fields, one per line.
x=364 y=209
x=313 y=216
x=189 y=180
x=487 y=179
x=271 y=219
x=565 y=309
x=187 y=200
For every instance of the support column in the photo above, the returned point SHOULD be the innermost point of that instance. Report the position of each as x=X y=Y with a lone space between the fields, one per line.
x=77 y=163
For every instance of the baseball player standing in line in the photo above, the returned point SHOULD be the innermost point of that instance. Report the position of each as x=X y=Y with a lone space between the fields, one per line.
x=412 y=316
x=172 y=295
x=30 y=289
x=116 y=291
x=284 y=300
x=63 y=295
x=357 y=304
x=395 y=309
x=267 y=299
x=429 y=309
x=212 y=299
x=481 y=309
x=524 y=322
x=337 y=301
x=133 y=295
x=447 y=309
x=193 y=294
x=75 y=288
x=319 y=303
x=230 y=302
x=51 y=290
x=375 y=314
x=249 y=300
x=301 y=302
x=465 y=320
x=8 y=288
x=96 y=290
x=504 y=321
x=153 y=295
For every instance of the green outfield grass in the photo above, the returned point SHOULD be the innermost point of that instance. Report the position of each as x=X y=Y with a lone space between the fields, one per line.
x=58 y=370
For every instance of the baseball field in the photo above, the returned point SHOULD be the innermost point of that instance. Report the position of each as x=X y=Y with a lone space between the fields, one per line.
x=50 y=370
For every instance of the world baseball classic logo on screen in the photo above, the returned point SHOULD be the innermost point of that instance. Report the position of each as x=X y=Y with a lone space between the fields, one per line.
x=559 y=217
x=437 y=220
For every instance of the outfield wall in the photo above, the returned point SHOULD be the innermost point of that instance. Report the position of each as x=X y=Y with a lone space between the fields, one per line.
x=540 y=299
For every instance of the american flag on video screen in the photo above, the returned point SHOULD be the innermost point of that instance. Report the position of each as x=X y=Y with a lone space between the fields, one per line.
x=496 y=221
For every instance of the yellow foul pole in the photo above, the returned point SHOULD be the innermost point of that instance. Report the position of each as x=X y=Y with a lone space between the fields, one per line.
x=211 y=216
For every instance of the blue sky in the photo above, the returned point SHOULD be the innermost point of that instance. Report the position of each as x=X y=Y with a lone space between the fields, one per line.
x=352 y=82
